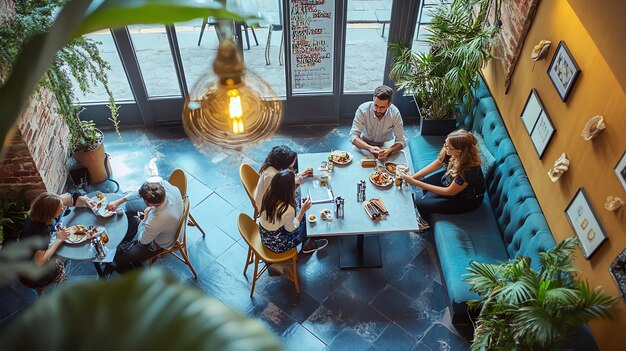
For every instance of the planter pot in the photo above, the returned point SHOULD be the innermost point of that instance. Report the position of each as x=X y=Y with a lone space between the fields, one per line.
x=94 y=161
x=435 y=126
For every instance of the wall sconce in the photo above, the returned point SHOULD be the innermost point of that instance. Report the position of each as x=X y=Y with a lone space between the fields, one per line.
x=561 y=165
x=593 y=127
x=230 y=106
x=540 y=51
x=613 y=203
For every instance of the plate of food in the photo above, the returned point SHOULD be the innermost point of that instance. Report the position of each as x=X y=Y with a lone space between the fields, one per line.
x=101 y=203
x=312 y=218
x=341 y=157
x=381 y=178
x=390 y=167
x=326 y=215
x=78 y=234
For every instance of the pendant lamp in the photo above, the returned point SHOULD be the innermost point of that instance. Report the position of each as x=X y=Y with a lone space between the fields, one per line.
x=231 y=106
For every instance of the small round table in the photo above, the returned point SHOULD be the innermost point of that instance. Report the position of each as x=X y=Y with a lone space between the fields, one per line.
x=116 y=227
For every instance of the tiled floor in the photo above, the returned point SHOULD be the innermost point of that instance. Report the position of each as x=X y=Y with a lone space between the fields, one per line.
x=400 y=306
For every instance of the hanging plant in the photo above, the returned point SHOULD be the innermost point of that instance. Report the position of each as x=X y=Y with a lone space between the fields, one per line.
x=80 y=59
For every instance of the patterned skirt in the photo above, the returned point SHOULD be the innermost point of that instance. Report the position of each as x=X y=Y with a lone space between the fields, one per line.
x=281 y=240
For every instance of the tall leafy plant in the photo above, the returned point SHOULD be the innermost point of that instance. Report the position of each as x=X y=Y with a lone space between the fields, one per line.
x=79 y=59
x=524 y=309
x=460 y=38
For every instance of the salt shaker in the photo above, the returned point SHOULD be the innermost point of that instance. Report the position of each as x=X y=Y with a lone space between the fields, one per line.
x=339 y=207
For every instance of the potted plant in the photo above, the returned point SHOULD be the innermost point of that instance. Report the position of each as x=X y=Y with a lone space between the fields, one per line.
x=441 y=80
x=80 y=59
x=524 y=309
x=13 y=211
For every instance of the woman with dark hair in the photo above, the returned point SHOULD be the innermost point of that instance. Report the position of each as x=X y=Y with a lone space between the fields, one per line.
x=460 y=188
x=43 y=218
x=280 y=158
x=280 y=227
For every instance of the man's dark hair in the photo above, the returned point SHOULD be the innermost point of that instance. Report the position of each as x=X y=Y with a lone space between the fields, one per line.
x=152 y=193
x=383 y=92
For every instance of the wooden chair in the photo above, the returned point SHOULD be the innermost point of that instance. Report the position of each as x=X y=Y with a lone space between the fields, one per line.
x=249 y=178
x=249 y=230
x=178 y=178
x=180 y=245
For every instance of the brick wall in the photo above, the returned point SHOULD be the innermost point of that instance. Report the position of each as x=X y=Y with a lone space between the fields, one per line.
x=37 y=153
x=516 y=16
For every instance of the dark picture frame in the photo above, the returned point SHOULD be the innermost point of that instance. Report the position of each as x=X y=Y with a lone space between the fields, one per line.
x=618 y=272
x=585 y=223
x=620 y=170
x=563 y=71
x=537 y=122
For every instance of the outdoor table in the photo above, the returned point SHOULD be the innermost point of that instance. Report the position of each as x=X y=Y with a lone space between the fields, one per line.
x=115 y=225
x=356 y=249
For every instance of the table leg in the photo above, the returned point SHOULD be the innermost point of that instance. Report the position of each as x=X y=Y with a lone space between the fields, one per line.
x=359 y=251
x=99 y=269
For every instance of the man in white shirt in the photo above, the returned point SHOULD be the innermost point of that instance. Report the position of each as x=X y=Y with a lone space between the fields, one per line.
x=162 y=207
x=377 y=125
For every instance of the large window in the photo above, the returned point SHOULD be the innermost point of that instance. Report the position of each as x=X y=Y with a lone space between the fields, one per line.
x=155 y=60
x=366 y=44
x=118 y=83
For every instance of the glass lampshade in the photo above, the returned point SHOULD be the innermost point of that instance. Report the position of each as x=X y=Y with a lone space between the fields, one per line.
x=231 y=105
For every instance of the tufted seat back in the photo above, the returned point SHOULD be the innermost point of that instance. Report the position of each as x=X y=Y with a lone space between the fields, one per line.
x=520 y=219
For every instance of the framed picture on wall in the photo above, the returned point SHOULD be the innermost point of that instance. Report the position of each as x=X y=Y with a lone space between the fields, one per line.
x=563 y=71
x=532 y=110
x=537 y=123
x=585 y=223
x=620 y=170
x=542 y=133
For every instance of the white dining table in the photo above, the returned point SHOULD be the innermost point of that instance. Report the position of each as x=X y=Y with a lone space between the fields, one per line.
x=359 y=242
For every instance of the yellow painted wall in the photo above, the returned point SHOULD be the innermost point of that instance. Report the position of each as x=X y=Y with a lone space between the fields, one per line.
x=597 y=92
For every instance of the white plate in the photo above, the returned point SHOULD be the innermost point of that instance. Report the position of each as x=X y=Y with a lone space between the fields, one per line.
x=337 y=153
x=385 y=174
x=76 y=239
x=326 y=215
x=102 y=204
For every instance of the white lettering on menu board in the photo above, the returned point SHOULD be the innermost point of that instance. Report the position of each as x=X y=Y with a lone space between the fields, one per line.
x=312 y=41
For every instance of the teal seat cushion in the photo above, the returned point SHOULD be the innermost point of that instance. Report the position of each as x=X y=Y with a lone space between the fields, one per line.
x=460 y=238
x=424 y=149
x=487 y=161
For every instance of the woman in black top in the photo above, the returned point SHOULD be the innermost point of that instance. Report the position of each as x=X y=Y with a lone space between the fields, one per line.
x=45 y=212
x=460 y=188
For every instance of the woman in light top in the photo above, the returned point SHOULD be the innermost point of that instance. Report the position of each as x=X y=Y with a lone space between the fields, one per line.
x=460 y=188
x=280 y=227
x=280 y=158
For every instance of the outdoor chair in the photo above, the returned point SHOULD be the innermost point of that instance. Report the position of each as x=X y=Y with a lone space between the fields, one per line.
x=249 y=230
x=244 y=29
x=275 y=27
x=180 y=245
x=178 y=178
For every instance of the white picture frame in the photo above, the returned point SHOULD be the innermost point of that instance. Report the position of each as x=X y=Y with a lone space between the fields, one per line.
x=563 y=71
x=532 y=110
x=542 y=133
x=537 y=122
x=585 y=223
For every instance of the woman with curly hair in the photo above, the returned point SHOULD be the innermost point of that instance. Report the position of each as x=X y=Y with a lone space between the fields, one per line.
x=460 y=188
x=280 y=158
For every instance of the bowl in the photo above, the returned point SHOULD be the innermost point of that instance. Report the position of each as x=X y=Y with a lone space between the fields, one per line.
x=312 y=218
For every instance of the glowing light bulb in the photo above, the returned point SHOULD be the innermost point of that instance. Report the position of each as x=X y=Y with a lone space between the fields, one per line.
x=235 y=111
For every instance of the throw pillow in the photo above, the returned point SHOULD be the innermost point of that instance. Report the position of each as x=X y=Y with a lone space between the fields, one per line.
x=487 y=161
